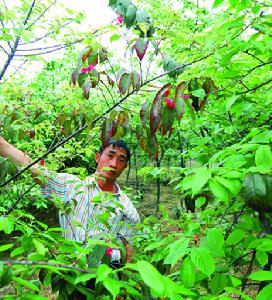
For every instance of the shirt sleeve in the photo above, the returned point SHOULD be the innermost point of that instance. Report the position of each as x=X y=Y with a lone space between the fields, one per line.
x=58 y=184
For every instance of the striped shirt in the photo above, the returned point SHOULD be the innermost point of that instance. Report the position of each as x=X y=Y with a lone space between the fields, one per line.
x=87 y=210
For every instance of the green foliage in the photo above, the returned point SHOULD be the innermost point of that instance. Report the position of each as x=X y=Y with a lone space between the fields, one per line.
x=213 y=147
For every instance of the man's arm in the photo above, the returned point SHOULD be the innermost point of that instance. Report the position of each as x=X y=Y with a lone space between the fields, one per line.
x=17 y=157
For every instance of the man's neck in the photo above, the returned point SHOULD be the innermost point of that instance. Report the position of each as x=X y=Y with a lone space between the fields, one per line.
x=107 y=186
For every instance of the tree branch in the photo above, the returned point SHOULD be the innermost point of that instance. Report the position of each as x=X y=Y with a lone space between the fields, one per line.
x=44 y=263
x=41 y=15
x=14 y=48
x=256 y=67
x=29 y=12
x=255 y=88
x=250 y=54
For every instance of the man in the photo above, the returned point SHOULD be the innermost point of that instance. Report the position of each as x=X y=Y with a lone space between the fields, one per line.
x=86 y=197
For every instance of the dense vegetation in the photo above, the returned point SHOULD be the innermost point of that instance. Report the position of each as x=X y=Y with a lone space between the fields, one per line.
x=187 y=86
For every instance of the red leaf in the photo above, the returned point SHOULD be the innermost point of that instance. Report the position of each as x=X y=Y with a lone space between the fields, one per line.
x=81 y=78
x=141 y=47
x=95 y=77
x=156 y=110
x=86 y=88
x=144 y=112
x=179 y=99
x=135 y=80
x=108 y=130
x=143 y=143
x=124 y=83
x=93 y=58
x=152 y=148
x=110 y=80
x=75 y=75
x=167 y=119
x=122 y=118
x=209 y=87
x=86 y=54
x=139 y=132
x=103 y=55
x=119 y=132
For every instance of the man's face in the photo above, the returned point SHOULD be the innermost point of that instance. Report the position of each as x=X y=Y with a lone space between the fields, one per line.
x=113 y=157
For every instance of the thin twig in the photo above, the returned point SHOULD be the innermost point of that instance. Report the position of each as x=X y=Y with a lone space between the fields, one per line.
x=50 y=51
x=19 y=198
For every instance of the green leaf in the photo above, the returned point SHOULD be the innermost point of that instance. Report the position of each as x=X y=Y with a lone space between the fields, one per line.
x=26 y=283
x=219 y=191
x=263 y=158
x=231 y=101
x=196 y=181
x=262 y=257
x=265 y=293
x=203 y=260
x=187 y=272
x=141 y=16
x=84 y=278
x=235 y=237
x=6 y=37
x=257 y=191
x=115 y=37
x=124 y=83
x=234 y=185
x=130 y=15
x=218 y=283
x=261 y=275
x=173 y=289
x=200 y=93
x=235 y=161
x=215 y=242
x=102 y=272
x=150 y=276
x=96 y=255
x=235 y=281
x=5 y=247
x=263 y=244
x=112 y=285
x=217 y=3
x=262 y=138
x=81 y=78
x=200 y=201
x=6 y=225
x=177 y=250
x=39 y=247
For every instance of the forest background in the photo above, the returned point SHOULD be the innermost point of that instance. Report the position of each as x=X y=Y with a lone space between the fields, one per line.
x=189 y=88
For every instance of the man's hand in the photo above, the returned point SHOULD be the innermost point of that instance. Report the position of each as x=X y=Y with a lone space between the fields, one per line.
x=17 y=157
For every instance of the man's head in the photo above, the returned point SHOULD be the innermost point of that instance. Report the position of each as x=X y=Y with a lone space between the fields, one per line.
x=112 y=159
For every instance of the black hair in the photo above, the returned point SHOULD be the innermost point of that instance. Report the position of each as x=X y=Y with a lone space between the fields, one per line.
x=116 y=143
